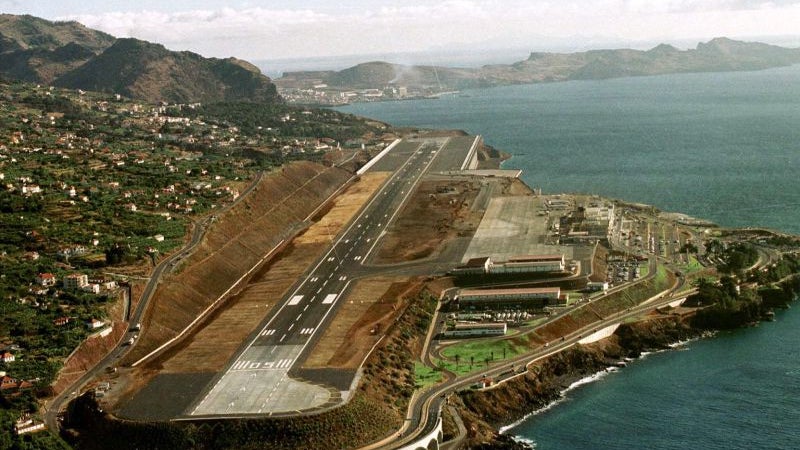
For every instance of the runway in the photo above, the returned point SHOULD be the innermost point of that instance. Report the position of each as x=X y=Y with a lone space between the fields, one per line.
x=261 y=379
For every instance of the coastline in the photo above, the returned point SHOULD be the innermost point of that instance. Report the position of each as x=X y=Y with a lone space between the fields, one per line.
x=597 y=376
x=632 y=342
x=546 y=382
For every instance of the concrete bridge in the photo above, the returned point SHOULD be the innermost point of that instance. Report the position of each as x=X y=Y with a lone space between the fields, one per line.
x=430 y=441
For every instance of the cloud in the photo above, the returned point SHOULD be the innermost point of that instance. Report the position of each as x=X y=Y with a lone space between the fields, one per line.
x=365 y=27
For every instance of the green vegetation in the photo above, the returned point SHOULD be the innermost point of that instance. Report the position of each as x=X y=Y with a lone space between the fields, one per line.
x=426 y=376
x=91 y=183
x=736 y=257
x=693 y=266
x=469 y=356
x=725 y=305
x=661 y=277
x=277 y=120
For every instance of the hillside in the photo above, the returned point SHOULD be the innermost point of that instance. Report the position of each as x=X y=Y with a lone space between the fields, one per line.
x=71 y=55
x=142 y=70
x=720 y=54
x=38 y=50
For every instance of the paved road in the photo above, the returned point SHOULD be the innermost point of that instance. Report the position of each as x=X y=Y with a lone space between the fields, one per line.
x=262 y=377
x=426 y=407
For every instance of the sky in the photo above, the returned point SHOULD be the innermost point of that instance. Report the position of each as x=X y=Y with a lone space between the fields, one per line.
x=270 y=29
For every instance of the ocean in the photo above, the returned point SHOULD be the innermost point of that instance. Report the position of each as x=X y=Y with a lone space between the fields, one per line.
x=718 y=146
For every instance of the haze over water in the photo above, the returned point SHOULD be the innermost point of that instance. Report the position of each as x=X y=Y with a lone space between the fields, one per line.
x=720 y=146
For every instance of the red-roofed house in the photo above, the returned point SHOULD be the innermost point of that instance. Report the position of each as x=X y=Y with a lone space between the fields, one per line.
x=7 y=357
x=46 y=279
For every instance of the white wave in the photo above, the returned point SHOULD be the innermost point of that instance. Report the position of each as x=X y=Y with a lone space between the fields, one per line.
x=523 y=440
x=562 y=396
x=594 y=377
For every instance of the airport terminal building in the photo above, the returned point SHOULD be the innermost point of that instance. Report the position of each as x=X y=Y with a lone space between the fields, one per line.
x=501 y=299
x=515 y=265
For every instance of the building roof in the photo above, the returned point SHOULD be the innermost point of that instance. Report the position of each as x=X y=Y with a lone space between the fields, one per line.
x=477 y=262
x=46 y=275
x=517 y=291
x=535 y=258
x=479 y=326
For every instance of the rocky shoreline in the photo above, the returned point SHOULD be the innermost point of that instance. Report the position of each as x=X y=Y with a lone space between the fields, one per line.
x=486 y=413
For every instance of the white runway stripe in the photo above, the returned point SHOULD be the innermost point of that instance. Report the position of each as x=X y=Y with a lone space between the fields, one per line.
x=329 y=299
x=284 y=363
x=295 y=300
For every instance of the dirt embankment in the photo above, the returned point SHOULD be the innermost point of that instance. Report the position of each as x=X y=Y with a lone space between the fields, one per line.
x=209 y=348
x=369 y=309
x=375 y=411
x=94 y=348
x=485 y=411
x=235 y=243
x=89 y=353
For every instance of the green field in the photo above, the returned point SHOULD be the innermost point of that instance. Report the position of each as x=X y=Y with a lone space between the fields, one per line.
x=473 y=355
x=693 y=266
x=662 y=278
x=425 y=376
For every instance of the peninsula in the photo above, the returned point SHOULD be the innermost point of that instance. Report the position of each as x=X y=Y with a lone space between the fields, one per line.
x=379 y=80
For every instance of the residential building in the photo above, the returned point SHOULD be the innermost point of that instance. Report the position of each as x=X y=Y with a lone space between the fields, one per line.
x=95 y=324
x=46 y=279
x=26 y=424
x=76 y=281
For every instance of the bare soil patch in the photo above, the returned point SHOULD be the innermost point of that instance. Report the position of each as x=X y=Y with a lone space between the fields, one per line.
x=276 y=208
x=89 y=353
x=599 y=265
x=367 y=312
x=210 y=347
x=437 y=212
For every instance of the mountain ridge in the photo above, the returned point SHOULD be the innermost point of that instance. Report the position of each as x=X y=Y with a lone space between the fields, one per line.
x=718 y=54
x=69 y=54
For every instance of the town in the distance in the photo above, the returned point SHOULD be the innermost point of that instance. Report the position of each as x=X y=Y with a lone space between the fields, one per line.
x=212 y=272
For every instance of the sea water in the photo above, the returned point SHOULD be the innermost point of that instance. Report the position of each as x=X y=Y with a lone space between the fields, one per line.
x=718 y=146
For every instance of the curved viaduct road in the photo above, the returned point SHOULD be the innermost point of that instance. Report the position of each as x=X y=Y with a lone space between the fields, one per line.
x=426 y=406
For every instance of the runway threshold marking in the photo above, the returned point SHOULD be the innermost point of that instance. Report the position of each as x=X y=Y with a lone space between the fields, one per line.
x=269 y=332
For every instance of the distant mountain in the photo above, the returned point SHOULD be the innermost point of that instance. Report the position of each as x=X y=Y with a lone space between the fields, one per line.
x=139 y=69
x=720 y=54
x=39 y=51
x=71 y=55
